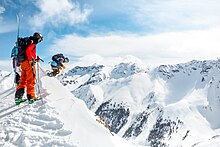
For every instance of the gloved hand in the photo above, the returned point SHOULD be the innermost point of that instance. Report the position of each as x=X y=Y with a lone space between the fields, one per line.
x=32 y=63
x=63 y=67
x=38 y=59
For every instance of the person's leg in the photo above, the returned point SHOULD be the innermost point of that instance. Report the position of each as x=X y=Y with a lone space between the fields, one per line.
x=22 y=84
x=31 y=74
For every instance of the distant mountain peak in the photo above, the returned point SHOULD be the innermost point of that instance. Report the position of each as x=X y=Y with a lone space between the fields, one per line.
x=137 y=102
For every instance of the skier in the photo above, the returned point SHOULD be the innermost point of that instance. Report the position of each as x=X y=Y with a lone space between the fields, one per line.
x=28 y=71
x=57 y=64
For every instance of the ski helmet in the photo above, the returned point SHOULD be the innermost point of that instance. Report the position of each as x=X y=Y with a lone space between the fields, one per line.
x=38 y=36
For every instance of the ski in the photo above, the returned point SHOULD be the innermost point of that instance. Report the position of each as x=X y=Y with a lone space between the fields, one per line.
x=51 y=73
x=18 y=25
x=15 y=52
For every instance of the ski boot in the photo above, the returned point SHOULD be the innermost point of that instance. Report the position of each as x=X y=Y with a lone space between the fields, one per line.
x=32 y=100
x=53 y=73
x=18 y=96
x=19 y=100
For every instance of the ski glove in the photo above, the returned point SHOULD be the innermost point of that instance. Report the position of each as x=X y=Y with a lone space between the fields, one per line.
x=38 y=59
x=63 y=67
x=32 y=63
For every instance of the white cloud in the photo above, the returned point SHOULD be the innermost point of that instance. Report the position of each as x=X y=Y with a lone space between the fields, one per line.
x=159 y=15
x=202 y=16
x=59 y=12
x=164 y=47
x=5 y=26
x=175 y=14
x=2 y=9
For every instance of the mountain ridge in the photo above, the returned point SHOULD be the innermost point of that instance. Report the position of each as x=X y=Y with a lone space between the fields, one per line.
x=130 y=97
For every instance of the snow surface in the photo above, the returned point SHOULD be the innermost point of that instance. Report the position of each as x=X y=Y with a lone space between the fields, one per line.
x=59 y=120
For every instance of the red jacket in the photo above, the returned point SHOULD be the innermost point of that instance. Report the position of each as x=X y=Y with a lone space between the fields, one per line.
x=31 y=52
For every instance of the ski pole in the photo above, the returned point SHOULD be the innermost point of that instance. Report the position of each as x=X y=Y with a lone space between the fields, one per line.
x=18 y=23
x=38 y=80
x=40 y=59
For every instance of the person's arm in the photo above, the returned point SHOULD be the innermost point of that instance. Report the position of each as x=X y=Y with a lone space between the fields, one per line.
x=29 y=52
x=61 y=64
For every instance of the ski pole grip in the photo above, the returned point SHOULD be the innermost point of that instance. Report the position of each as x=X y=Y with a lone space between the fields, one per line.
x=40 y=59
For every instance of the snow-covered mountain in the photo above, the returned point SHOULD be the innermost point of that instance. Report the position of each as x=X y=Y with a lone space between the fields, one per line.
x=170 y=105
x=59 y=120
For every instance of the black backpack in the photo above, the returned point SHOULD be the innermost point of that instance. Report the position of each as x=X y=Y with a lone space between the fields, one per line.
x=57 y=57
x=23 y=43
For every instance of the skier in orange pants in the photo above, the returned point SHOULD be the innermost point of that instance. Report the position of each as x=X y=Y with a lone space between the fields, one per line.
x=28 y=73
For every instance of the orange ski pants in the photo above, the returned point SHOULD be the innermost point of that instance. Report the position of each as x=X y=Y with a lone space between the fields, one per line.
x=27 y=79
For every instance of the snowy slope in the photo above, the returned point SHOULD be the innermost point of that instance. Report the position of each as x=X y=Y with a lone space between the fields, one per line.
x=5 y=82
x=171 y=105
x=61 y=120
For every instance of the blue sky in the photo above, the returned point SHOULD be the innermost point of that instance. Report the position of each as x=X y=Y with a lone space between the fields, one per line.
x=152 y=30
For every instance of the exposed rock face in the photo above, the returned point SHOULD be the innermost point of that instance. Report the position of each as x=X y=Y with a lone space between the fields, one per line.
x=163 y=129
x=137 y=126
x=115 y=115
